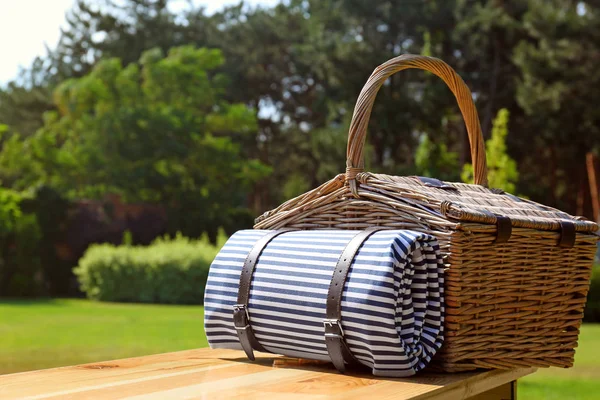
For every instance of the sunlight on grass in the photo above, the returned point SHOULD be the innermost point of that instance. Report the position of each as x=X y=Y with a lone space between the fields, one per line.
x=580 y=382
x=51 y=333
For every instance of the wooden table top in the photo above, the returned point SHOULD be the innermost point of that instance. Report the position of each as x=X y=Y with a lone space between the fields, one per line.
x=226 y=374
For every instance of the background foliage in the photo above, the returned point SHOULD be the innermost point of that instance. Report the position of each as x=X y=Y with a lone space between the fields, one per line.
x=502 y=169
x=19 y=239
x=157 y=122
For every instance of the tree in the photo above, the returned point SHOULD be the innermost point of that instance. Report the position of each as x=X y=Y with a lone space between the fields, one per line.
x=109 y=28
x=558 y=68
x=20 y=272
x=485 y=36
x=24 y=101
x=434 y=160
x=94 y=30
x=502 y=169
x=154 y=131
x=301 y=64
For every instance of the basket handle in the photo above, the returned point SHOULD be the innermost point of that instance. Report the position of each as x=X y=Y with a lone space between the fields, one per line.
x=364 y=105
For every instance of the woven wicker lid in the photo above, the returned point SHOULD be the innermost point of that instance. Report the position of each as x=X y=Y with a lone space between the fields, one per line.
x=472 y=203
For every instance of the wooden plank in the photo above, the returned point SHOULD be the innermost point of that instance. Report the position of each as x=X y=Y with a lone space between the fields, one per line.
x=504 y=392
x=227 y=374
x=443 y=386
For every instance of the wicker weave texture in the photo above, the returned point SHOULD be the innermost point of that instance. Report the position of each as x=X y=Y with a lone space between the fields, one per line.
x=513 y=304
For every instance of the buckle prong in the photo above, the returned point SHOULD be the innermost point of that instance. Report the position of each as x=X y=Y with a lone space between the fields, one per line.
x=242 y=307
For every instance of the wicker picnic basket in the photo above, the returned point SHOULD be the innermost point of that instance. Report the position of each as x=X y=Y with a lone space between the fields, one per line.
x=517 y=271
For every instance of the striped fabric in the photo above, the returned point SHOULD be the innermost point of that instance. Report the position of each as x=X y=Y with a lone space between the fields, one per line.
x=392 y=307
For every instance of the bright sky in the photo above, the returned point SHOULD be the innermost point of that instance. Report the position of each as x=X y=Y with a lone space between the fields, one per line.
x=27 y=26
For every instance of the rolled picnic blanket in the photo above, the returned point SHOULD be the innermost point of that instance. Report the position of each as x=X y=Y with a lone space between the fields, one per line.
x=375 y=297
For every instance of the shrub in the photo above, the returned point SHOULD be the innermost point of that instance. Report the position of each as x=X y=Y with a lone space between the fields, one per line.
x=502 y=169
x=170 y=271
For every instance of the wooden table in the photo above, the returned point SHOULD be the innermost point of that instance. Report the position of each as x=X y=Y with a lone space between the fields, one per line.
x=226 y=374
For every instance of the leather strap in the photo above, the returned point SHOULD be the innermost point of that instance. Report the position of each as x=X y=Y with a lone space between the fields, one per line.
x=568 y=233
x=503 y=229
x=334 y=334
x=241 y=316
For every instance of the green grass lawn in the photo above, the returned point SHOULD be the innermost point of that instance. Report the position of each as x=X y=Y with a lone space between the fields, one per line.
x=580 y=382
x=49 y=333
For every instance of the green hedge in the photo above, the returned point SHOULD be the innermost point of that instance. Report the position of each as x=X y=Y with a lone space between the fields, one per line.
x=168 y=271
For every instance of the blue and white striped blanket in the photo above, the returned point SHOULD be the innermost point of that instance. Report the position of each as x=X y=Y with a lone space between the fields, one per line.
x=392 y=307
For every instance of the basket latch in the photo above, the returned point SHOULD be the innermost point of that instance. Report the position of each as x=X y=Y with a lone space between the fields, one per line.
x=503 y=229
x=567 y=234
x=436 y=183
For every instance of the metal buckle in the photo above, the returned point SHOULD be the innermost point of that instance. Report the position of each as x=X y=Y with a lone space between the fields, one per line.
x=237 y=308
x=331 y=323
x=242 y=307
x=241 y=328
